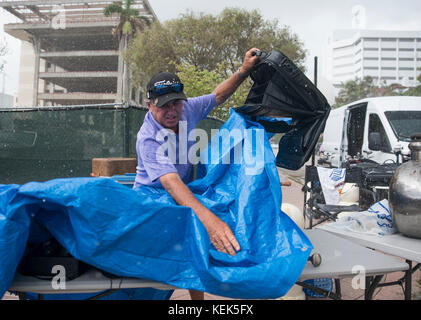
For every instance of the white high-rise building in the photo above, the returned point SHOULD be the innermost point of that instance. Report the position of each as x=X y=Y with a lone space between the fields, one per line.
x=387 y=56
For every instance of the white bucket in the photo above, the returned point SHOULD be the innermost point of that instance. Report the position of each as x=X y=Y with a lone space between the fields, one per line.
x=350 y=194
x=296 y=292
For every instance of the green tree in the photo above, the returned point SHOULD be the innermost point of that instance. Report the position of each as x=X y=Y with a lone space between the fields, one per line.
x=357 y=89
x=207 y=41
x=213 y=45
x=353 y=90
x=198 y=81
x=130 y=23
x=416 y=91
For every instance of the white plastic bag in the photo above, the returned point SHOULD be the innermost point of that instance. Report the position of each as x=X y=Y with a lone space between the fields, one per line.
x=332 y=182
x=376 y=220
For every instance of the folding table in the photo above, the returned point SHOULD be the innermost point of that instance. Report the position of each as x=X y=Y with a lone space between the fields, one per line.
x=339 y=257
x=395 y=244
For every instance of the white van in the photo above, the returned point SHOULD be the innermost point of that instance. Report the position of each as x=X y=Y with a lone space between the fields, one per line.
x=378 y=129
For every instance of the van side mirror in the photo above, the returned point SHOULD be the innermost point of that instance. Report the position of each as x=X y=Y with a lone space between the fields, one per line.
x=375 y=141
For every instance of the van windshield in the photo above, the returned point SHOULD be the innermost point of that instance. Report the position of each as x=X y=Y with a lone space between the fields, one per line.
x=404 y=123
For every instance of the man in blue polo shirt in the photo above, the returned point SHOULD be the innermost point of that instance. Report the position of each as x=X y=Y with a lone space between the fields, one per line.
x=169 y=109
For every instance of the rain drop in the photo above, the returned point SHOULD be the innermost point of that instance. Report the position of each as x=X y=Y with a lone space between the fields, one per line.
x=225 y=287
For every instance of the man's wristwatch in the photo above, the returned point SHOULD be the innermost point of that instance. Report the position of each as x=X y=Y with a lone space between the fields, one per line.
x=242 y=75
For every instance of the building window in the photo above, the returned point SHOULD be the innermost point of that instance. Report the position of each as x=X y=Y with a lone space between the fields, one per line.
x=344 y=65
x=405 y=68
x=371 y=68
x=388 y=39
x=343 y=74
x=406 y=59
x=388 y=49
x=371 y=58
x=371 y=49
x=343 y=57
x=388 y=68
x=388 y=59
x=407 y=40
x=406 y=49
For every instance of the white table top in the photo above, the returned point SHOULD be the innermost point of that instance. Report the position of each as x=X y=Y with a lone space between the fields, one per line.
x=394 y=244
x=90 y=282
x=339 y=257
x=342 y=258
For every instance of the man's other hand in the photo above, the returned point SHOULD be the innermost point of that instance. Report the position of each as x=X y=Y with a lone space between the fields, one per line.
x=221 y=235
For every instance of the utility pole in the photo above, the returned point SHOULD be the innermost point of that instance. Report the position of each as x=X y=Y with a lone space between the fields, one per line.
x=313 y=158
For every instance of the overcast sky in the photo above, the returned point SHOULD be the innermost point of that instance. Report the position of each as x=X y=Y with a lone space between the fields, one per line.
x=312 y=20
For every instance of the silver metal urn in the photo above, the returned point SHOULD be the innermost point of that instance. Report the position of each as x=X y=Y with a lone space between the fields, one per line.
x=405 y=192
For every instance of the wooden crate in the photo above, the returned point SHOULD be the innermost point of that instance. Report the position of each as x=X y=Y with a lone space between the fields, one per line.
x=107 y=167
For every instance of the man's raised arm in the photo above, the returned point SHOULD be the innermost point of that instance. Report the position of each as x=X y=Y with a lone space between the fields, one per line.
x=224 y=90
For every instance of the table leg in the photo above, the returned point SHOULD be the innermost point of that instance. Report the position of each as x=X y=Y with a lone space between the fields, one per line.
x=338 y=288
x=326 y=293
x=408 y=281
x=371 y=285
x=21 y=295
x=374 y=282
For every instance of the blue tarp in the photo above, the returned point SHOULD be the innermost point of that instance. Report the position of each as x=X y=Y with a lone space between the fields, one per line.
x=142 y=233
